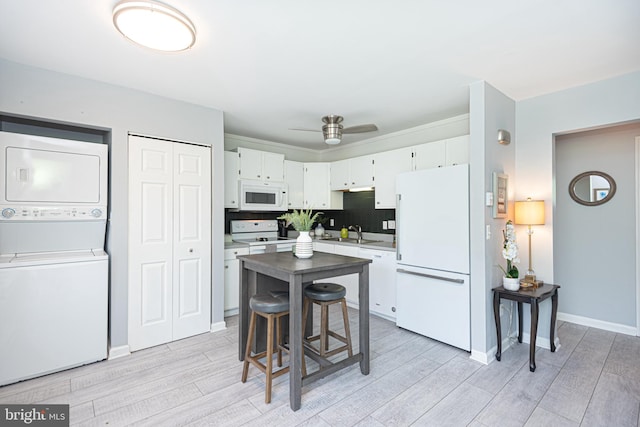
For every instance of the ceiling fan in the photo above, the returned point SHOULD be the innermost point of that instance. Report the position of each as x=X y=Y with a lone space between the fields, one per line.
x=332 y=129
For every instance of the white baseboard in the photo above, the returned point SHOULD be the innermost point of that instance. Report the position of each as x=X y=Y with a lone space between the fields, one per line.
x=481 y=357
x=490 y=355
x=599 y=324
x=231 y=312
x=116 y=352
x=219 y=326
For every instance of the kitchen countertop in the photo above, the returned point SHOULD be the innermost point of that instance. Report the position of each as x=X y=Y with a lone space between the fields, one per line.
x=382 y=245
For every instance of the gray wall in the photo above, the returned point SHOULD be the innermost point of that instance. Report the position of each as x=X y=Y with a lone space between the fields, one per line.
x=55 y=97
x=595 y=246
x=490 y=110
x=600 y=104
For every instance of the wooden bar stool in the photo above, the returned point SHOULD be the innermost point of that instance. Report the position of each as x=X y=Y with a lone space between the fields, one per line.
x=326 y=294
x=272 y=308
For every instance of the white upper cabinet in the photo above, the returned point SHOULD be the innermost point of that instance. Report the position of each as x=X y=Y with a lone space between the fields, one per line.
x=261 y=165
x=231 y=192
x=457 y=150
x=387 y=165
x=352 y=173
x=317 y=194
x=437 y=154
x=294 y=177
x=361 y=171
x=340 y=175
x=429 y=155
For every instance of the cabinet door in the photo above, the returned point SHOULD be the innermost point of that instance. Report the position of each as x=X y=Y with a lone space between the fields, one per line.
x=340 y=175
x=250 y=163
x=457 y=150
x=382 y=281
x=324 y=247
x=231 y=191
x=232 y=280
x=231 y=286
x=429 y=155
x=272 y=167
x=361 y=171
x=386 y=167
x=294 y=177
x=316 y=186
x=349 y=281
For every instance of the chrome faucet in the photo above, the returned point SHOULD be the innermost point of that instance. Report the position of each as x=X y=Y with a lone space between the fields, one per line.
x=358 y=230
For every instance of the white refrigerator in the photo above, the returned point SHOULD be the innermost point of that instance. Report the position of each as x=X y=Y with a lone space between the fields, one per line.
x=432 y=216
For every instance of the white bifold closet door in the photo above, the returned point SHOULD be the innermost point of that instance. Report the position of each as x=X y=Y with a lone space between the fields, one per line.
x=169 y=241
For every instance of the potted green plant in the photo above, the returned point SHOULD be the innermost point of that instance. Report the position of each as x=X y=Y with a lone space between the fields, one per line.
x=302 y=221
x=510 y=253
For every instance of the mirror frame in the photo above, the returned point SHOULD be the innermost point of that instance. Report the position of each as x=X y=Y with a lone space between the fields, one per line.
x=610 y=180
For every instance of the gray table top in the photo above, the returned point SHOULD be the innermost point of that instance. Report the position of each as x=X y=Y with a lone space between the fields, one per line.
x=287 y=263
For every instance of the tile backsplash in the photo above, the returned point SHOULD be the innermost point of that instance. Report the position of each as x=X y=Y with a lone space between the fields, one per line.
x=358 y=209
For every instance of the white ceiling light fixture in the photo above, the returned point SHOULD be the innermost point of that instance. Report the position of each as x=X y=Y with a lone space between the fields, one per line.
x=154 y=25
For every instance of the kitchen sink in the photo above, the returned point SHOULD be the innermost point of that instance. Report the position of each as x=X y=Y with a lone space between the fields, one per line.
x=350 y=240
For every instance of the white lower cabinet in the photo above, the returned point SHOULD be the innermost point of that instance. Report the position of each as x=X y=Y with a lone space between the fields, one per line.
x=382 y=277
x=232 y=280
x=349 y=281
x=382 y=281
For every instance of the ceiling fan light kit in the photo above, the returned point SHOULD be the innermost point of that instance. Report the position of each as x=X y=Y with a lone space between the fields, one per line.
x=332 y=129
x=154 y=25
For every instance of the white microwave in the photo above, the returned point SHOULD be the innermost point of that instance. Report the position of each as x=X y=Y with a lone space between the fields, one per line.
x=263 y=196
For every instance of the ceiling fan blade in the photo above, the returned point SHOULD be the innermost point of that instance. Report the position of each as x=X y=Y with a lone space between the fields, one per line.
x=360 y=128
x=306 y=130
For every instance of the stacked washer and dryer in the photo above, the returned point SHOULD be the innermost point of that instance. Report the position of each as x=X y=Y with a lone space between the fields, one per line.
x=53 y=268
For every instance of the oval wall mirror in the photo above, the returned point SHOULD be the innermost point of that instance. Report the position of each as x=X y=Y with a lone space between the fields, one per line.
x=592 y=188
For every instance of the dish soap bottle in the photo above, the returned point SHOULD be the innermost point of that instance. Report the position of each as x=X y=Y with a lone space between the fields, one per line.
x=344 y=233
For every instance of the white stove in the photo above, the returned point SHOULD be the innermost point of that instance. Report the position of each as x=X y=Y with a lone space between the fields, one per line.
x=261 y=235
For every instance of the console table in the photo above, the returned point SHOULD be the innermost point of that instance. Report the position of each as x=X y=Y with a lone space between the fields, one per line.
x=533 y=297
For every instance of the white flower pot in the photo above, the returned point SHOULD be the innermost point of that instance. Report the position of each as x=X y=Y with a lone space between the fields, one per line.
x=304 y=245
x=511 y=284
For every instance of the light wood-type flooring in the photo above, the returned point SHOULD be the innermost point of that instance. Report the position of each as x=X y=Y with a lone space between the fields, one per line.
x=593 y=379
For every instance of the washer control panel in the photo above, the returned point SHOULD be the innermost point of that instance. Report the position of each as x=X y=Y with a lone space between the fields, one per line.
x=58 y=213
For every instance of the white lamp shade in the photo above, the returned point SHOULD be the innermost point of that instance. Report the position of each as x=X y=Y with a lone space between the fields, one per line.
x=154 y=25
x=529 y=212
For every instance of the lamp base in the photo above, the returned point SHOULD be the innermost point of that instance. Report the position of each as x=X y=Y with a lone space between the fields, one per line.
x=530 y=281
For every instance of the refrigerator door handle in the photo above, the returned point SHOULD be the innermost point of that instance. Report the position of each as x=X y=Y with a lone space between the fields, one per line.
x=398 y=253
x=430 y=276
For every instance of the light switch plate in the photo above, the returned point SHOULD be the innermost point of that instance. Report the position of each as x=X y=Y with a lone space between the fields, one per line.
x=391 y=224
x=384 y=225
x=488 y=198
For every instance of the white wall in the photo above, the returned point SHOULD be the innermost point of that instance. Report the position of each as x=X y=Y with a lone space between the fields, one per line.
x=607 y=102
x=55 y=97
x=490 y=110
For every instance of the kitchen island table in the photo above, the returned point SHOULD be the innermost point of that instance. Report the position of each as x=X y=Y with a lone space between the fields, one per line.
x=262 y=272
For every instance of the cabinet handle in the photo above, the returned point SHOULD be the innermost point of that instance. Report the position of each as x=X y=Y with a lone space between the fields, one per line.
x=226 y=266
x=268 y=177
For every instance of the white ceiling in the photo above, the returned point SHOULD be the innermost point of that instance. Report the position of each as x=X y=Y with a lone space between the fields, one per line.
x=280 y=64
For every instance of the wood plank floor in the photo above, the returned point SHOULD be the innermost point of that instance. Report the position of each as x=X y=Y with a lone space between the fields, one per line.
x=592 y=380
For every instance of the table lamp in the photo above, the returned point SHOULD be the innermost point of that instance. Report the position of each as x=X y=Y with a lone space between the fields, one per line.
x=529 y=212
